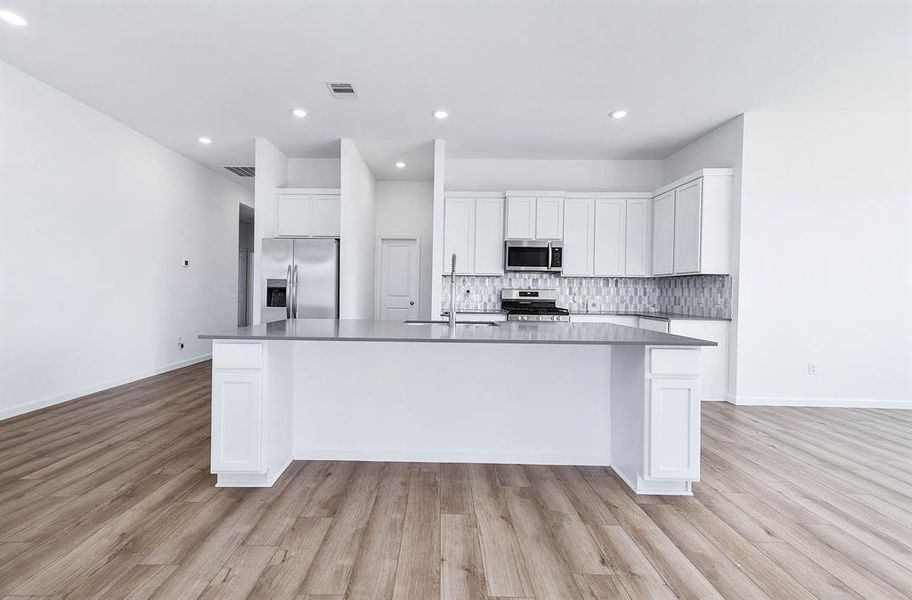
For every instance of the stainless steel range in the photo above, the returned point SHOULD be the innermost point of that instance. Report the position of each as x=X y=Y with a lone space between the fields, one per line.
x=532 y=305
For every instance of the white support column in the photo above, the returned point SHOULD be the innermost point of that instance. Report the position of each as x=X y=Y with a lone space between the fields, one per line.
x=437 y=241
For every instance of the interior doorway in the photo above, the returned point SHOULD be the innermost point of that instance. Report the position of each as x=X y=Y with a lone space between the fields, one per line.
x=245 y=265
x=397 y=278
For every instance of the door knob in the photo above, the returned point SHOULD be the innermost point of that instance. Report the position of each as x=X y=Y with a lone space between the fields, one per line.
x=411 y=303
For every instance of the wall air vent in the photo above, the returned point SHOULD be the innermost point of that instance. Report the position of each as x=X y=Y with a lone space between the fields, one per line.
x=242 y=171
x=341 y=90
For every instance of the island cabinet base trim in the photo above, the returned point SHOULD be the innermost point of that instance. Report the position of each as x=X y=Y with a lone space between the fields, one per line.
x=455 y=456
x=266 y=479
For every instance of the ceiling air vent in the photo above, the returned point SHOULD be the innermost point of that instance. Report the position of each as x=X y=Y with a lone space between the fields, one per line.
x=242 y=171
x=341 y=90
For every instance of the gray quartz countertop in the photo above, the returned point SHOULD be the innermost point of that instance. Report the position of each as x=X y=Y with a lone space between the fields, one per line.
x=356 y=330
x=667 y=316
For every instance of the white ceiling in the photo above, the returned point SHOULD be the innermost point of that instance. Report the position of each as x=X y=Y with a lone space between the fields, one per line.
x=521 y=80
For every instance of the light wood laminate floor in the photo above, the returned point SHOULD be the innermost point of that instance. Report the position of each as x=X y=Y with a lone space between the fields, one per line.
x=109 y=496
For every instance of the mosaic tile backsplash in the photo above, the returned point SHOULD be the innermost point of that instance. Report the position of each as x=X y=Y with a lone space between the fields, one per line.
x=697 y=295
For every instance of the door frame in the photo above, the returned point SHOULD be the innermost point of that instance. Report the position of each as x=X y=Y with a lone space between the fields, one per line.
x=378 y=280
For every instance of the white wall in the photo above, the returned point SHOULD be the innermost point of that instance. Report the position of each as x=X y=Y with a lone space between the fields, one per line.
x=407 y=208
x=313 y=172
x=825 y=266
x=271 y=173
x=357 y=238
x=567 y=175
x=721 y=147
x=95 y=220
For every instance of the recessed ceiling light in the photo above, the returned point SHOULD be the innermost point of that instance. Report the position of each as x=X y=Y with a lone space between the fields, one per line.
x=204 y=140
x=441 y=114
x=299 y=112
x=12 y=18
x=618 y=114
x=400 y=165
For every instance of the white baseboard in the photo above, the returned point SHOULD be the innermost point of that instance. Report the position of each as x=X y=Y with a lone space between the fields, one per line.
x=819 y=402
x=713 y=399
x=20 y=409
x=450 y=456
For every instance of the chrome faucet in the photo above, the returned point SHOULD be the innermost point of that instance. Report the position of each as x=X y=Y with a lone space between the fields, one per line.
x=452 y=322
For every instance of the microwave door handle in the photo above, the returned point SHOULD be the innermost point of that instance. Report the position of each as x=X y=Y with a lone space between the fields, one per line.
x=549 y=256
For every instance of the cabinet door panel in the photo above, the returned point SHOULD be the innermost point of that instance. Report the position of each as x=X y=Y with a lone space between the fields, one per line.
x=674 y=429
x=687 y=227
x=325 y=216
x=549 y=218
x=663 y=232
x=610 y=225
x=293 y=214
x=579 y=227
x=636 y=253
x=489 y=240
x=458 y=234
x=520 y=218
x=237 y=405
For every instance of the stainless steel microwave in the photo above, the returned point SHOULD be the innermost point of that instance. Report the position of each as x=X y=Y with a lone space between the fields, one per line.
x=533 y=255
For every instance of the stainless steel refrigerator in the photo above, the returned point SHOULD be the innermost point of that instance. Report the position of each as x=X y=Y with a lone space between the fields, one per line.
x=302 y=279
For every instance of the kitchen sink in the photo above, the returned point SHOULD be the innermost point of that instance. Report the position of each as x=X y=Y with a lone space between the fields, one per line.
x=458 y=323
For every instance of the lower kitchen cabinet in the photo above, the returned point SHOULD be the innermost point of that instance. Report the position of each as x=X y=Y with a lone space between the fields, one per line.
x=653 y=324
x=625 y=320
x=237 y=417
x=713 y=359
x=674 y=451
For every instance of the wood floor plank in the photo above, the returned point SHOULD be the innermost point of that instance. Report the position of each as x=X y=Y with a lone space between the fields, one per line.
x=418 y=572
x=505 y=567
x=461 y=570
x=632 y=570
x=332 y=567
x=235 y=580
x=455 y=490
x=550 y=576
x=288 y=567
x=374 y=573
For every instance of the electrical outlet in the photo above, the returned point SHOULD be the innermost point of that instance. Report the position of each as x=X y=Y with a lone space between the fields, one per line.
x=180 y=343
x=812 y=369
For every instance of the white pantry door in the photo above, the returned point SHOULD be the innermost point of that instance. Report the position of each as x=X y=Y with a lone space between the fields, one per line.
x=398 y=278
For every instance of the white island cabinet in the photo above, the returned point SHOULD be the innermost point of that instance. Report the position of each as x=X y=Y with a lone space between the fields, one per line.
x=614 y=396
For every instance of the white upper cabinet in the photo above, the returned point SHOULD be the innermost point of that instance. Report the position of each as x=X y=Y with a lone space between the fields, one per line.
x=687 y=228
x=638 y=247
x=549 y=218
x=663 y=234
x=307 y=213
x=579 y=232
x=520 y=218
x=610 y=237
x=489 y=239
x=691 y=225
x=473 y=230
x=325 y=216
x=293 y=214
x=459 y=234
x=535 y=216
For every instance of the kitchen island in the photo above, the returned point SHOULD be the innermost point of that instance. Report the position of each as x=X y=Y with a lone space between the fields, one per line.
x=523 y=393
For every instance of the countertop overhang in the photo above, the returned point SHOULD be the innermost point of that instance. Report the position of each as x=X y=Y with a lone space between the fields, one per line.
x=369 y=330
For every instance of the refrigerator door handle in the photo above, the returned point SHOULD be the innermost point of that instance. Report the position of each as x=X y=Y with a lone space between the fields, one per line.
x=288 y=292
x=295 y=288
